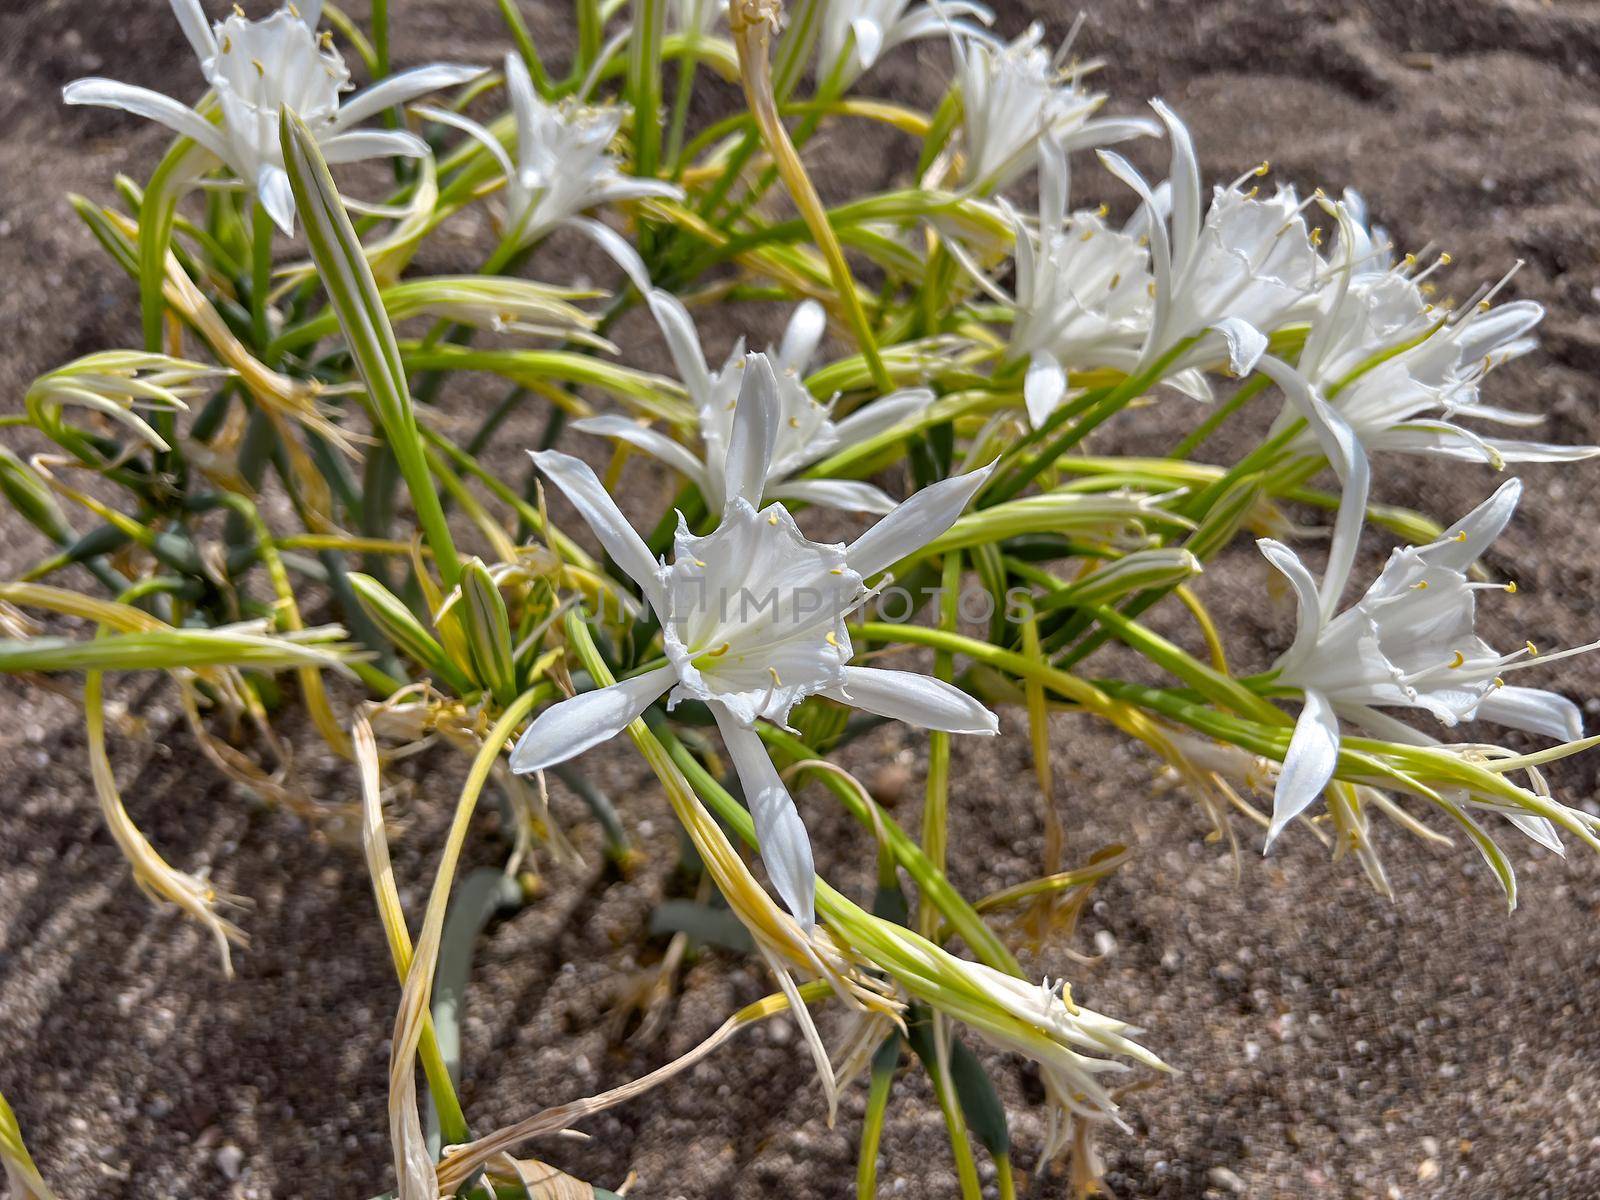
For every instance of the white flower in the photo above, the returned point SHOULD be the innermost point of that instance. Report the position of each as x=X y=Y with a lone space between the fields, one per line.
x=1244 y=269
x=1409 y=642
x=753 y=621
x=806 y=431
x=256 y=68
x=563 y=167
x=1431 y=364
x=866 y=30
x=1083 y=292
x=1013 y=95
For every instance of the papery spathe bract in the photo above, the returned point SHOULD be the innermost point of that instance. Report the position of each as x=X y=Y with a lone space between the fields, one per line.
x=257 y=68
x=563 y=167
x=752 y=618
x=855 y=34
x=806 y=430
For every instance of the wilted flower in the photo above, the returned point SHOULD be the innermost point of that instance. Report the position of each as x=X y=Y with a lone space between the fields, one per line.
x=1242 y=271
x=1013 y=95
x=563 y=167
x=866 y=30
x=116 y=383
x=256 y=68
x=1409 y=642
x=806 y=431
x=1083 y=292
x=753 y=621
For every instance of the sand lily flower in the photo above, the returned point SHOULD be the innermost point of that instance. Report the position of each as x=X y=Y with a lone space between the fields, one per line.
x=1409 y=642
x=1240 y=271
x=806 y=433
x=563 y=167
x=753 y=621
x=1401 y=372
x=1013 y=95
x=256 y=68
x=1083 y=292
x=866 y=30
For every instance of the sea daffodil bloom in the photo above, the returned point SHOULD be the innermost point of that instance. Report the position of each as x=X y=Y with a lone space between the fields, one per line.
x=806 y=432
x=256 y=68
x=563 y=167
x=753 y=621
x=1409 y=642
x=1241 y=270
x=1082 y=292
x=1013 y=95
x=866 y=30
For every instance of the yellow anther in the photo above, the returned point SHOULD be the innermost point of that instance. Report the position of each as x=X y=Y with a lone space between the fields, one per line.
x=719 y=651
x=1533 y=651
x=1263 y=168
x=1461 y=535
x=1420 y=585
x=833 y=640
x=260 y=70
x=1066 y=998
x=1316 y=237
x=227 y=45
x=1410 y=260
x=1428 y=289
x=237 y=11
x=1484 y=306
x=1103 y=211
x=326 y=39
x=1457 y=661
x=1511 y=587
x=1087 y=234
x=1498 y=682
x=1151 y=287
x=836 y=571
x=794 y=422
x=1444 y=260
x=293 y=11
x=699 y=562
x=773 y=519
x=1254 y=191
x=777 y=679
x=1144 y=239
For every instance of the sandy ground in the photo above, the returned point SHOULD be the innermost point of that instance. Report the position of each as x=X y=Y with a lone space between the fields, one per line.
x=1330 y=1043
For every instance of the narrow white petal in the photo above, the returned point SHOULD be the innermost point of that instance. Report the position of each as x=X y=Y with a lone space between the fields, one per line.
x=595 y=505
x=1309 y=764
x=1469 y=538
x=1185 y=176
x=373 y=143
x=755 y=432
x=918 y=700
x=153 y=106
x=1043 y=387
x=870 y=420
x=869 y=40
x=915 y=523
x=1533 y=710
x=683 y=343
x=803 y=336
x=1246 y=344
x=847 y=495
x=1308 y=622
x=473 y=130
x=398 y=89
x=276 y=196
x=619 y=248
x=785 y=846
x=192 y=19
x=580 y=722
x=652 y=441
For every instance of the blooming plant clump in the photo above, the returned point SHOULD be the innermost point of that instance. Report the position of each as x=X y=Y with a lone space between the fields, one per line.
x=277 y=481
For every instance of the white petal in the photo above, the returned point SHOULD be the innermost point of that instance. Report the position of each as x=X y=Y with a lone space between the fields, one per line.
x=1308 y=622
x=373 y=143
x=1533 y=710
x=874 y=418
x=277 y=197
x=595 y=505
x=1469 y=538
x=1246 y=344
x=310 y=13
x=803 y=336
x=525 y=104
x=915 y=523
x=683 y=343
x=869 y=40
x=918 y=700
x=192 y=19
x=580 y=722
x=785 y=846
x=473 y=130
x=1185 y=176
x=754 y=436
x=397 y=89
x=619 y=249
x=847 y=495
x=1044 y=386
x=153 y=106
x=1309 y=764
x=651 y=441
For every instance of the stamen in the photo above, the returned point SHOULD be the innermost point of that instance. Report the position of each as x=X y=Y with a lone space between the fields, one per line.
x=1533 y=651
x=833 y=640
x=773 y=519
x=1511 y=587
x=1457 y=661
x=699 y=562
x=1420 y=585
x=777 y=680
x=260 y=70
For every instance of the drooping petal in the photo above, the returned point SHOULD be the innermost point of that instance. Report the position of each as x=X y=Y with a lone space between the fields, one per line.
x=617 y=248
x=1533 y=710
x=785 y=845
x=918 y=700
x=275 y=194
x=1043 y=387
x=683 y=343
x=915 y=523
x=1309 y=764
x=1308 y=622
x=153 y=106
x=755 y=432
x=398 y=89
x=362 y=144
x=1185 y=176
x=1246 y=344
x=595 y=505
x=581 y=722
x=473 y=130
x=651 y=441
x=847 y=495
